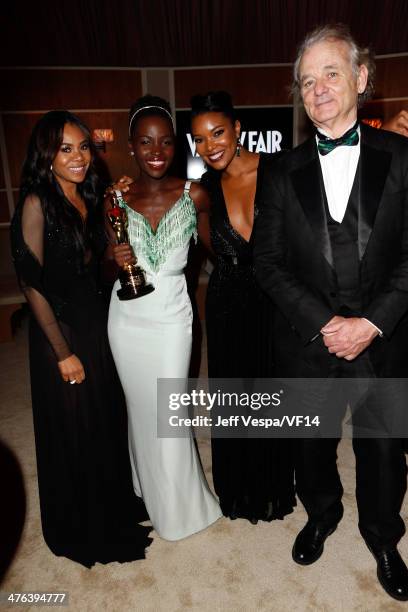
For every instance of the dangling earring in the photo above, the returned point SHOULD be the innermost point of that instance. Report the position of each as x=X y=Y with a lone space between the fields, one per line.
x=51 y=168
x=132 y=153
x=238 y=150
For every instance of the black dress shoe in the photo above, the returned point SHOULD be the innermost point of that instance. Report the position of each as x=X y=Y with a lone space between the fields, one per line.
x=392 y=573
x=309 y=544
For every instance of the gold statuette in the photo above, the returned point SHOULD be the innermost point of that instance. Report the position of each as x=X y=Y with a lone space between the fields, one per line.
x=132 y=277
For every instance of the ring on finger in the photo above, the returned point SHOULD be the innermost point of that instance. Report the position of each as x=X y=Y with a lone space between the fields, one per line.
x=72 y=382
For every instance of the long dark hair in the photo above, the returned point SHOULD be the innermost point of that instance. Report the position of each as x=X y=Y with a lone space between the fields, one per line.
x=38 y=179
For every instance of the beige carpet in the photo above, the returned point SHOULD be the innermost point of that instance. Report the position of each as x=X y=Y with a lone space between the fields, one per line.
x=232 y=566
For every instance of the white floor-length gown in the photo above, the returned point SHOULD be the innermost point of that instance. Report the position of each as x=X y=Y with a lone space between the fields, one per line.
x=151 y=338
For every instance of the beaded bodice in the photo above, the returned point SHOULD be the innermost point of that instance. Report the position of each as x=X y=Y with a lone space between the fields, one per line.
x=175 y=229
x=232 y=284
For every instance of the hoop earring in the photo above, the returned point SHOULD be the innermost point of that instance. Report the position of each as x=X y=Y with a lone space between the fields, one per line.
x=238 y=149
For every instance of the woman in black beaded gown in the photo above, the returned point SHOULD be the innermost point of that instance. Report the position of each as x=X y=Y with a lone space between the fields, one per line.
x=253 y=478
x=89 y=512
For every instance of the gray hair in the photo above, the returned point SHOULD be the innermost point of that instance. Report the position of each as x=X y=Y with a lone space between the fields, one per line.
x=358 y=55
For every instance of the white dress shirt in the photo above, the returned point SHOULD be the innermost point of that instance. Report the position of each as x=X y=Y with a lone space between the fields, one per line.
x=339 y=169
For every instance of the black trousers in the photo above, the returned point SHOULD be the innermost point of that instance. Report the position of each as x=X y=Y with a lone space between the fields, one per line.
x=381 y=473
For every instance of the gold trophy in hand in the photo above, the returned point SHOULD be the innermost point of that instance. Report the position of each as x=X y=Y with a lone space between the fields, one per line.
x=132 y=277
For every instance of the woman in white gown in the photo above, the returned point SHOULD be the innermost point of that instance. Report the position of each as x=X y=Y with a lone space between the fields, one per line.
x=151 y=336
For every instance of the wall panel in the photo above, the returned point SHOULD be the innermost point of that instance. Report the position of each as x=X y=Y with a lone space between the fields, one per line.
x=117 y=158
x=6 y=263
x=392 y=77
x=72 y=89
x=266 y=85
x=383 y=110
x=4 y=209
x=17 y=130
x=2 y=182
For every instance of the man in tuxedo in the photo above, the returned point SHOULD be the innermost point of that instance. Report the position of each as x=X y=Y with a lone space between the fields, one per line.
x=331 y=250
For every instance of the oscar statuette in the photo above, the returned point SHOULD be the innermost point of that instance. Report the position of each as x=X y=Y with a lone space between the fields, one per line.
x=132 y=277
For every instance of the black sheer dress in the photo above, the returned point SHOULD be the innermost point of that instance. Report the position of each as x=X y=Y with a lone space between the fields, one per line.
x=253 y=478
x=89 y=511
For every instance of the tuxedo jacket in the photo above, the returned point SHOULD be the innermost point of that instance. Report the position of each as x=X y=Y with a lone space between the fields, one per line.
x=294 y=259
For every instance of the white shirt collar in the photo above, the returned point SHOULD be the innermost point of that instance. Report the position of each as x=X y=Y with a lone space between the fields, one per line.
x=349 y=128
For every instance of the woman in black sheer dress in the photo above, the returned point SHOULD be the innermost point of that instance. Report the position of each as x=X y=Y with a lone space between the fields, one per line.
x=252 y=477
x=88 y=509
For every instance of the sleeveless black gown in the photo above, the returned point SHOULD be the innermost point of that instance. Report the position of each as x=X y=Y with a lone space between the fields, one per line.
x=253 y=478
x=89 y=512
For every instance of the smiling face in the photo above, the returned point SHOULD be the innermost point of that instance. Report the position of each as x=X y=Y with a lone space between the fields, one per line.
x=153 y=145
x=72 y=161
x=329 y=87
x=215 y=137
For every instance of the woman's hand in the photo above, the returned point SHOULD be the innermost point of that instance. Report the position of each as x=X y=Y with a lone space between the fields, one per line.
x=121 y=185
x=123 y=254
x=72 y=369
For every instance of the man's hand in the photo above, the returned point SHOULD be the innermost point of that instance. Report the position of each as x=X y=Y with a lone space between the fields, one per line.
x=398 y=124
x=348 y=338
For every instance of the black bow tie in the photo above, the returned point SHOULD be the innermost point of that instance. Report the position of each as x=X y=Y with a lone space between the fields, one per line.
x=326 y=144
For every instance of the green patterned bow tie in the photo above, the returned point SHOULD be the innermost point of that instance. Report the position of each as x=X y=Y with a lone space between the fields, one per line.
x=326 y=144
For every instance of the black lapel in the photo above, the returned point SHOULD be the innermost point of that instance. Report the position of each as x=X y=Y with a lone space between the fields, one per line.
x=374 y=168
x=306 y=180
